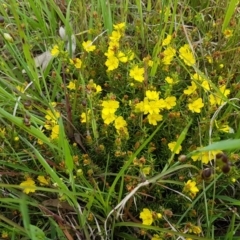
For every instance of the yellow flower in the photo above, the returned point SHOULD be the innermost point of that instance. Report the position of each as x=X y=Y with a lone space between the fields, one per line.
x=108 y=118
x=51 y=119
x=154 y=118
x=85 y=117
x=205 y=157
x=77 y=63
x=42 y=180
x=204 y=82
x=146 y=216
x=153 y=107
x=98 y=88
x=152 y=95
x=196 y=105
x=197 y=77
x=109 y=53
x=40 y=142
x=28 y=186
x=113 y=46
x=120 y=123
x=169 y=54
x=108 y=111
x=115 y=36
x=156 y=237
x=130 y=55
x=112 y=63
x=119 y=26
x=210 y=59
x=137 y=74
x=167 y=40
x=191 y=89
x=52 y=115
x=72 y=85
x=88 y=46
x=146 y=170
x=205 y=85
x=55 y=51
x=169 y=80
x=196 y=229
x=2 y=132
x=20 y=89
x=217 y=99
x=140 y=107
x=122 y=57
x=186 y=55
x=228 y=33
x=190 y=188
x=5 y=235
x=110 y=106
x=172 y=145
x=224 y=127
x=93 y=87
x=55 y=132
x=170 y=102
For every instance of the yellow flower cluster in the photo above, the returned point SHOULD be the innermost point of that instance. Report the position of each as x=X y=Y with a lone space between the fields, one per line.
x=193 y=229
x=29 y=184
x=152 y=106
x=196 y=104
x=169 y=53
x=218 y=99
x=108 y=111
x=108 y=116
x=51 y=122
x=114 y=55
x=202 y=81
x=205 y=157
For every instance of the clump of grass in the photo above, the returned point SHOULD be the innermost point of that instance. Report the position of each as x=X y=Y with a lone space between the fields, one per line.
x=118 y=124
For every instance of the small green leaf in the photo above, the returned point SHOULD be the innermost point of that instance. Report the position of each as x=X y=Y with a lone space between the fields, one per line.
x=37 y=233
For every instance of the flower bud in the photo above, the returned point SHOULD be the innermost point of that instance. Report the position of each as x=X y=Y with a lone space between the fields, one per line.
x=226 y=168
x=182 y=158
x=8 y=37
x=223 y=157
x=1 y=19
x=206 y=173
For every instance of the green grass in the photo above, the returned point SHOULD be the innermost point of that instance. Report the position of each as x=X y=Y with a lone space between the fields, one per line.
x=142 y=121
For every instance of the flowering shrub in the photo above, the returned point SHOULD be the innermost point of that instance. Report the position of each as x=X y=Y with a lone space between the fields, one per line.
x=113 y=125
